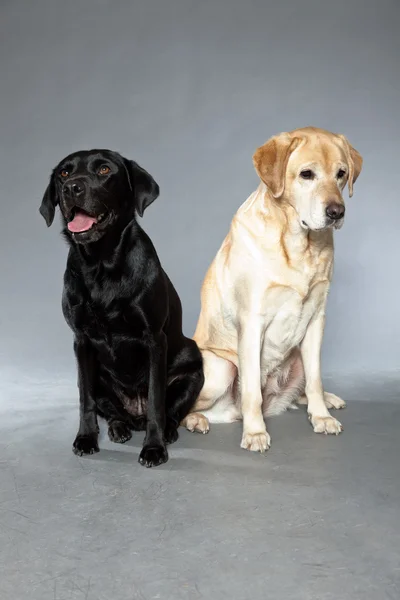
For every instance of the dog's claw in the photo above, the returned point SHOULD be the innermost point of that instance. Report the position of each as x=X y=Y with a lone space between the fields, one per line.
x=153 y=456
x=119 y=432
x=85 y=444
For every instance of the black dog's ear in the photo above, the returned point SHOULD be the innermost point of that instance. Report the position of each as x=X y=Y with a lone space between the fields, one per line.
x=49 y=202
x=143 y=186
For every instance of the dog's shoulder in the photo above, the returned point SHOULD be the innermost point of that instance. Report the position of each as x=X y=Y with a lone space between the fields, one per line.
x=139 y=247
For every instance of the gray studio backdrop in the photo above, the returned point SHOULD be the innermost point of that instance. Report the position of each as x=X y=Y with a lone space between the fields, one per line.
x=190 y=89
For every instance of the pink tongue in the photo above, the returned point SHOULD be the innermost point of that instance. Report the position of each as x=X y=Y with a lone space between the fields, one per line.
x=81 y=222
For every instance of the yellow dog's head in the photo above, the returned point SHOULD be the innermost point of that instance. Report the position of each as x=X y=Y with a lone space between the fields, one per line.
x=309 y=168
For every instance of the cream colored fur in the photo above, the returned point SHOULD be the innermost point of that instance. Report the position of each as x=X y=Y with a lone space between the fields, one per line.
x=264 y=296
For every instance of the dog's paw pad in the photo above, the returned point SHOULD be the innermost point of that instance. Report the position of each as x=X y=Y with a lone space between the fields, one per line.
x=328 y=425
x=85 y=444
x=153 y=456
x=119 y=432
x=197 y=422
x=256 y=442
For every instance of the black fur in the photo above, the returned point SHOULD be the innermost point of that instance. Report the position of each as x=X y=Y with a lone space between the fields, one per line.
x=136 y=369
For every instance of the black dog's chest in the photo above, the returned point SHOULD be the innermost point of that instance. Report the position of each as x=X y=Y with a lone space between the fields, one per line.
x=103 y=321
x=92 y=320
x=116 y=333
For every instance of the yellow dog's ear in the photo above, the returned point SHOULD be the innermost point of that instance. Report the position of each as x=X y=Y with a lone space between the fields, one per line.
x=270 y=162
x=355 y=163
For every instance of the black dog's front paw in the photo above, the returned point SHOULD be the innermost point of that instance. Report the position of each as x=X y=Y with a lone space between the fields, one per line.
x=85 y=444
x=153 y=456
x=171 y=432
x=119 y=432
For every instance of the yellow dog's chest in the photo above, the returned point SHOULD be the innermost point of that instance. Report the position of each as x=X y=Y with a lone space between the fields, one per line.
x=288 y=313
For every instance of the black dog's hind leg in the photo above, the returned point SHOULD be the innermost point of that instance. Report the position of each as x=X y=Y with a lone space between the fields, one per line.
x=86 y=441
x=186 y=379
x=119 y=425
x=154 y=451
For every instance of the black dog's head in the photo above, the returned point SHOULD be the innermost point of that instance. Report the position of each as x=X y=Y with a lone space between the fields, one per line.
x=95 y=190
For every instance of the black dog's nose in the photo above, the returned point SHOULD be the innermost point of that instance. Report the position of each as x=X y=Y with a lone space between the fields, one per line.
x=335 y=211
x=75 y=189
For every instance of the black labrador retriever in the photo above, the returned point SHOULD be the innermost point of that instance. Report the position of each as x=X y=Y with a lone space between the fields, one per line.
x=136 y=369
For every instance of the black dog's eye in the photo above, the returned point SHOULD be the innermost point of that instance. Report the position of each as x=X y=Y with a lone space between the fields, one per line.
x=307 y=174
x=64 y=173
x=104 y=170
x=340 y=174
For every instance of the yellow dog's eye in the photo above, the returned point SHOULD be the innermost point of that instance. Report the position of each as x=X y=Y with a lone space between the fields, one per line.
x=307 y=174
x=104 y=170
x=341 y=174
x=64 y=173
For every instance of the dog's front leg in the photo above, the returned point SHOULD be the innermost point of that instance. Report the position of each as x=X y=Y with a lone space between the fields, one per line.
x=255 y=436
x=86 y=441
x=154 y=451
x=319 y=416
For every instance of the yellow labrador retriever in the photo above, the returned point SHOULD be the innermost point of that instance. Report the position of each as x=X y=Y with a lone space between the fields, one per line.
x=263 y=299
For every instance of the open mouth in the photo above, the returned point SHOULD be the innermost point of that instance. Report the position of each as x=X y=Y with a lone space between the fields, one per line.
x=81 y=221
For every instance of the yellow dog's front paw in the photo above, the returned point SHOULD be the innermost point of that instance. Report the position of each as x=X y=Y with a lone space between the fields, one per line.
x=327 y=425
x=256 y=442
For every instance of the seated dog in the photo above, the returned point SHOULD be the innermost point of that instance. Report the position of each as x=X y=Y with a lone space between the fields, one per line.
x=136 y=369
x=263 y=299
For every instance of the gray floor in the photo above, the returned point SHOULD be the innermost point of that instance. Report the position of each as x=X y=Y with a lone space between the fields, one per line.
x=317 y=517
